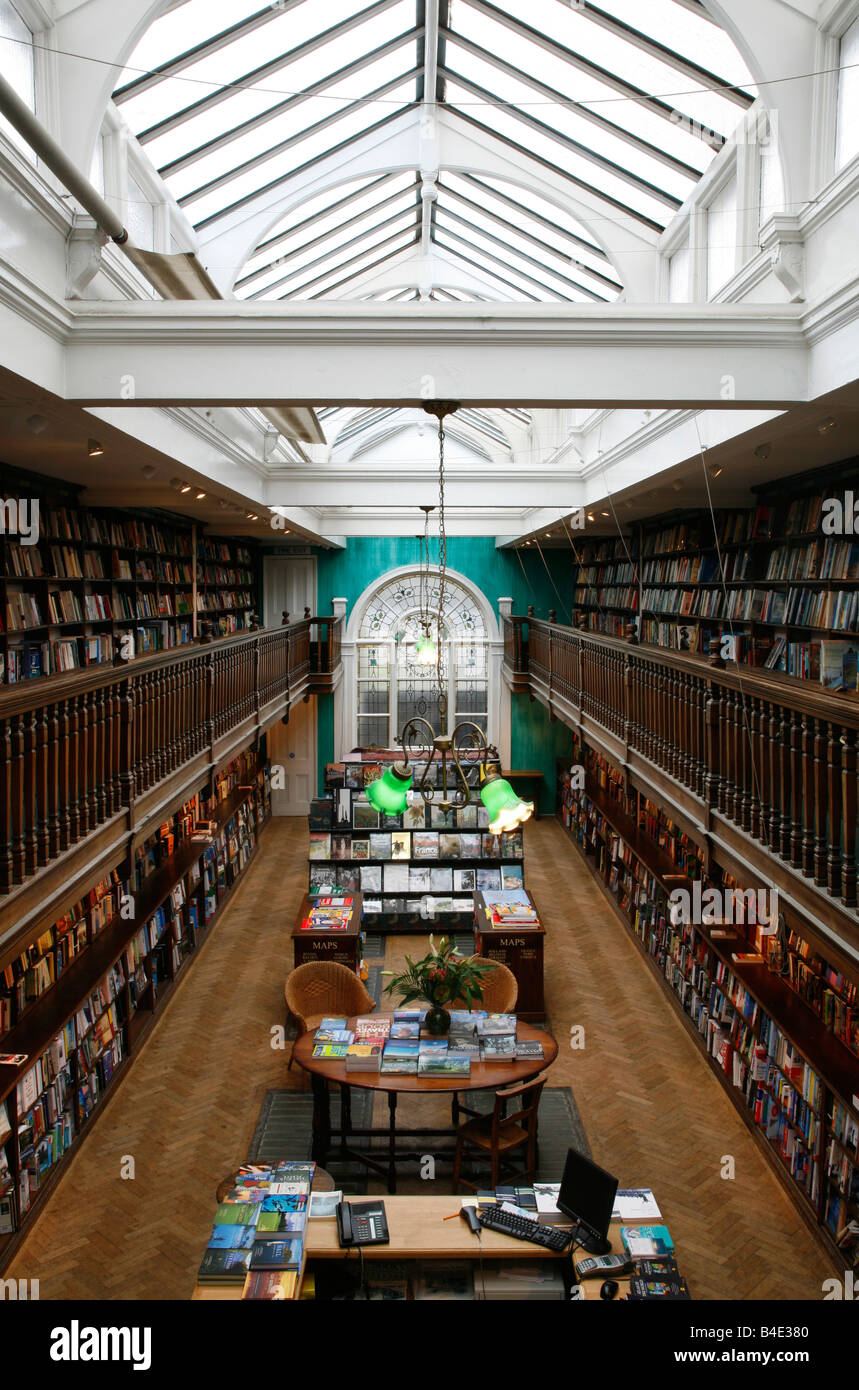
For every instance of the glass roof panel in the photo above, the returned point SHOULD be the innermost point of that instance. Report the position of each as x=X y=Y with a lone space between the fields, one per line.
x=231 y=97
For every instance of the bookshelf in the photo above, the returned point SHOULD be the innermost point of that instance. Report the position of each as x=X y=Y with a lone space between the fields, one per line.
x=226 y=585
x=787 y=1055
x=767 y=575
x=83 y=1005
x=94 y=577
x=417 y=868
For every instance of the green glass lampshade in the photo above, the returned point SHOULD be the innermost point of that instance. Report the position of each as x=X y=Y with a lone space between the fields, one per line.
x=389 y=792
x=506 y=809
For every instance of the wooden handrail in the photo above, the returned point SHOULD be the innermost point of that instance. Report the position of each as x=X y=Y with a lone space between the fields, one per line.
x=772 y=755
x=77 y=748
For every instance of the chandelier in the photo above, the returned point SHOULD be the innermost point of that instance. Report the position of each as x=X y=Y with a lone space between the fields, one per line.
x=466 y=745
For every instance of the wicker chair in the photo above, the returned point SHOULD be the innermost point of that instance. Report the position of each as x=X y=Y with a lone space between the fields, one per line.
x=323 y=988
x=500 y=990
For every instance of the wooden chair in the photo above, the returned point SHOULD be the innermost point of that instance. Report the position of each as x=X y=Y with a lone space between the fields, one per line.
x=321 y=989
x=500 y=992
x=500 y=1134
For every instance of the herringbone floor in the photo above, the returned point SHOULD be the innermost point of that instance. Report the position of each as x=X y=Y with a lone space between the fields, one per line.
x=654 y=1113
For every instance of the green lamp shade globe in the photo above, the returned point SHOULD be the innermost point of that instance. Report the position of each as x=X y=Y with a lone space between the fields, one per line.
x=506 y=809
x=389 y=793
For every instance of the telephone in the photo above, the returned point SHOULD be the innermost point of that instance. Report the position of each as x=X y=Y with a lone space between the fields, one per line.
x=361 y=1223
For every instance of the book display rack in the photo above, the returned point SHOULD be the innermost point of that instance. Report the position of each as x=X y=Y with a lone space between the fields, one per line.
x=77 y=1002
x=93 y=578
x=785 y=1046
x=420 y=867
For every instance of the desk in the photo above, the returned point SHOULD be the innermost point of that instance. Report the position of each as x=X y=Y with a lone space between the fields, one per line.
x=520 y=949
x=419 y=1231
x=340 y=946
x=485 y=1076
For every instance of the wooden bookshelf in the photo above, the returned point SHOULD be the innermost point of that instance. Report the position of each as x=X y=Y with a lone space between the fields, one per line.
x=715 y=995
x=174 y=908
x=404 y=908
x=100 y=586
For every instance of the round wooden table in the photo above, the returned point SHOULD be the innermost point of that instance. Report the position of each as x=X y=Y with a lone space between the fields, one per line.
x=485 y=1076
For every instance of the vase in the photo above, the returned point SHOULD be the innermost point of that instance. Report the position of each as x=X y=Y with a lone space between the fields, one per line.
x=437 y=1020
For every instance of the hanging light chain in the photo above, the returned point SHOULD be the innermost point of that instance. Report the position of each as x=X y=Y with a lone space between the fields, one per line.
x=442 y=565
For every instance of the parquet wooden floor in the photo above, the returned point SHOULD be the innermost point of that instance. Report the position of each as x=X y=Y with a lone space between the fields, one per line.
x=653 y=1112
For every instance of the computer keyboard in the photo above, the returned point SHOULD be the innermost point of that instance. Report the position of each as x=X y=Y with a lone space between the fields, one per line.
x=521 y=1228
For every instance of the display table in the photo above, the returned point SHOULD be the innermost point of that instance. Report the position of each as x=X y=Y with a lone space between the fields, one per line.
x=419 y=1231
x=344 y=947
x=520 y=949
x=485 y=1076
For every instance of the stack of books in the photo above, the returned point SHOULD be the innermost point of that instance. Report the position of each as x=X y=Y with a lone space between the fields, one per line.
x=506 y=910
x=365 y=1051
x=332 y=1040
x=497 y=1037
x=329 y=914
x=257 y=1239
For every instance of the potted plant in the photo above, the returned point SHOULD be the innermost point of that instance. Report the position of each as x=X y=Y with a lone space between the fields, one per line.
x=440 y=978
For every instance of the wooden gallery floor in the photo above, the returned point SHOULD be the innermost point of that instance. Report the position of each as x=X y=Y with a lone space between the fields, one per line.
x=653 y=1112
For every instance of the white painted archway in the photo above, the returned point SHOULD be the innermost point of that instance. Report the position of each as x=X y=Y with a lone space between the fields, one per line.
x=346 y=695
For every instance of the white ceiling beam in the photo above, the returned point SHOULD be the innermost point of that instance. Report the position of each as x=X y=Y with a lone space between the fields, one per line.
x=223 y=352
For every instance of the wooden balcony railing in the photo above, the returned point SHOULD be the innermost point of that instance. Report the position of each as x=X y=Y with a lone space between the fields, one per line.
x=79 y=749
x=771 y=758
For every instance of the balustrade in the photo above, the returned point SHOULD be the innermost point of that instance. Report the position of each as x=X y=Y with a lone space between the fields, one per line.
x=78 y=748
x=775 y=757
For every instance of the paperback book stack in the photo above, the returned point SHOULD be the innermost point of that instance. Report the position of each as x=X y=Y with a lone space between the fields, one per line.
x=365 y=1051
x=332 y=1040
x=329 y=914
x=257 y=1240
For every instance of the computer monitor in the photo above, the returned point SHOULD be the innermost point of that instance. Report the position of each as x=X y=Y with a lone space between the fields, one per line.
x=587 y=1196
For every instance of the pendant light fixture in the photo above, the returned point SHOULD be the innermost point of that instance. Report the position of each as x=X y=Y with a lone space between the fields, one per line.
x=466 y=745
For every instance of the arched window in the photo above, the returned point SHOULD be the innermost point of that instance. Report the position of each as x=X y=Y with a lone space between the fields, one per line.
x=392 y=687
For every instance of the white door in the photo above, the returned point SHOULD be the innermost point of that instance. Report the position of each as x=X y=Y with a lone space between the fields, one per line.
x=289 y=582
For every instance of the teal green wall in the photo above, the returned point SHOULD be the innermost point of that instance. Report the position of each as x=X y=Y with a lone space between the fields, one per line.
x=536 y=741
x=498 y=573
x=324 y=735
x=519 y=575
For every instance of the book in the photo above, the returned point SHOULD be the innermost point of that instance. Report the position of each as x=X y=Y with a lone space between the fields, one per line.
x=330 y=1052
x=496 y=1024
x=401 y=1047
x=369 y=1028
x=395 y=878
x=525 y=1051
x=646 y=1240
x=270 y=1285
x=364 y=1056
x=498 y=1048
x=276 y=1252
x=333 y=1035
x=224 y=1266
x=232 y=1237
x=333 y=1025
x=320 y=845
x=405 y=1029
x=635 y=1204
x=444 y=1064
x=401 y=844
x=380 y=845
x=399 y=1066
x=640 y=1289
x=425 y=844
x=464 y=880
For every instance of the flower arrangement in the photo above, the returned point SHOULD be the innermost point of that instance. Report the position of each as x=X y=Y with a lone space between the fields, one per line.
x=440 y=978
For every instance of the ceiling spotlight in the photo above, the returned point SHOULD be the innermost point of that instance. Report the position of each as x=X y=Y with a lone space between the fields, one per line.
x=548 y=535
x=715 y=471
x=763 y=451
x=590 y=516
x=185 y=487
x=148 y=471
x=37 y=424
x=825 y=426
x=252 y=516
x=200 y=496
x=94 y=449
x=676 y=487
x=605 y=513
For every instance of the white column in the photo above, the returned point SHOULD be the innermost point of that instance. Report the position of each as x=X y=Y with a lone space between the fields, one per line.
x=346 y=689
x=499 y=691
